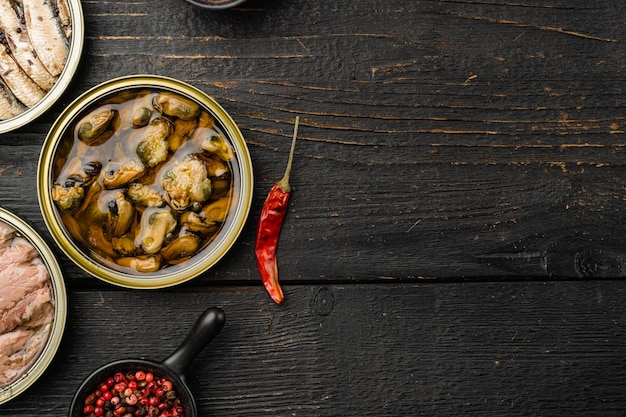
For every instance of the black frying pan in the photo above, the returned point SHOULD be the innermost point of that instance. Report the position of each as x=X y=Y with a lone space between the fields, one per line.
x=203 y=331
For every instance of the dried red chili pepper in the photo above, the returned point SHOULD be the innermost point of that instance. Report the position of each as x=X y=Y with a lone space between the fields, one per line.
x=269 y=227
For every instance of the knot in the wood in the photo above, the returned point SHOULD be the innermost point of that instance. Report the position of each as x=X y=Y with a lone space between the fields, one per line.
x=598 y=263
x=323 y=301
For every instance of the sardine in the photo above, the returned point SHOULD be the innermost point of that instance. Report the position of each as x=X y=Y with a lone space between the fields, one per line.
x=25 y=89
x=9 y=105
x=65 y=17
x=46 y=35
x=23 y=52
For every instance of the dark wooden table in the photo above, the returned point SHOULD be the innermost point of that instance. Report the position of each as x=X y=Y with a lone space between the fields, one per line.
x=454 y=244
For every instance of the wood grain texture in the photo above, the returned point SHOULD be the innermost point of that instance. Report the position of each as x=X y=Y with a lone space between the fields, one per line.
x=432 y=349
x=453 y=244
x=439 y=139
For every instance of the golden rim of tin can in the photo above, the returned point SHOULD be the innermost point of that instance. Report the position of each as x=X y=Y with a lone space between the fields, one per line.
x=77 y=41
x=227 y=236
x=60 y=307
x=216 y=5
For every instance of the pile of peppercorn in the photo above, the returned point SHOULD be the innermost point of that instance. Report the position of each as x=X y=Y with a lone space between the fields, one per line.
x=134 y=394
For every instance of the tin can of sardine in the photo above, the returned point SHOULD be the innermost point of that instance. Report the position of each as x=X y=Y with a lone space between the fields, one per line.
x=43 y=44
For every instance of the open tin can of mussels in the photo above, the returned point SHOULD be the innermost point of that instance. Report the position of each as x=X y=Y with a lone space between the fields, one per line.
x=145 y=181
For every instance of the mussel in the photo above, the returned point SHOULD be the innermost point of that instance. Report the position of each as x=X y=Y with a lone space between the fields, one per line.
x=82 y=170
x=186 y=184
x=68 y=196
x=152 y=149
x=205 y=120
x=142 y=263
x=68 y=193
x=125 y=244
x=182 y=247
x=221 y=187
x=144 y=196
x=155 y=225
x=118 y=174
x=176 y=105
x=112 y=211
x=216 y=167
x=216 y=144
x=120 y=216
x=141 y=117
x=183 y=129
x=142 y=109
x=93 y=126
x=96 y=238
x=197 y=223
x=217 y=210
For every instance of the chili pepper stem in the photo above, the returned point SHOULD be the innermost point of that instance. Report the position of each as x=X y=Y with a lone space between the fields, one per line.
x=284 y=182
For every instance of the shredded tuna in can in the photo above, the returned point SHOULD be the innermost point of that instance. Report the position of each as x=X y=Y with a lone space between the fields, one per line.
x=26 y=305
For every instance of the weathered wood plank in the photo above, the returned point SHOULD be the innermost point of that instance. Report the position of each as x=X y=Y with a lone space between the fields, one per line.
x=512 y=349
x=439 y=139
x=476 y=142
x=412 y=221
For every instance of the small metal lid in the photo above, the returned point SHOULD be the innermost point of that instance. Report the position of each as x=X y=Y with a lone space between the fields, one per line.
x=26 y=379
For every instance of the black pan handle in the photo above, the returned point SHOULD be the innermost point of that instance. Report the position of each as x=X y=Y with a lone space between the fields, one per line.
x=203 y=331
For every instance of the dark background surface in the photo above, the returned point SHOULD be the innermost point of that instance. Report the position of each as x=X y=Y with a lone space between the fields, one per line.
x=453 y=244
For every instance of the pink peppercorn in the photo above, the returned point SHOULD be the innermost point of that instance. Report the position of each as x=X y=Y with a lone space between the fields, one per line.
x=131 y=399
x=134 y=394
